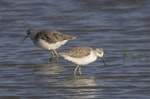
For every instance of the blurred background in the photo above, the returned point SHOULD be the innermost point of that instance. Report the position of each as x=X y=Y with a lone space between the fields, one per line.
x=120 y=27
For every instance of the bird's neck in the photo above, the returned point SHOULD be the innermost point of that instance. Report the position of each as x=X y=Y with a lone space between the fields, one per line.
x=94 y=53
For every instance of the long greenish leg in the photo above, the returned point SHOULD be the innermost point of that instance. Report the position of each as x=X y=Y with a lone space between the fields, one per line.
x=80 y=72
x=76 y=70
x=52 y=56
x=56 y=55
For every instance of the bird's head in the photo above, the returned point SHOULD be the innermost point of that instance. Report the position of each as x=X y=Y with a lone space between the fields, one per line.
x=100 y=53
x=30 y=33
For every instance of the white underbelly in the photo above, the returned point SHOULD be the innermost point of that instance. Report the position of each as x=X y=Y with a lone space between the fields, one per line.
x=82 y=61
x=49 y=46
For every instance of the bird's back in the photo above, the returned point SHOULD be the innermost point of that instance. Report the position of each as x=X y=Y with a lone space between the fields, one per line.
x=78 y=52
x=53 y=36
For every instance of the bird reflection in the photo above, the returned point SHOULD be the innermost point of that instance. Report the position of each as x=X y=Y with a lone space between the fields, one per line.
x=83 y=87
x=52 y=69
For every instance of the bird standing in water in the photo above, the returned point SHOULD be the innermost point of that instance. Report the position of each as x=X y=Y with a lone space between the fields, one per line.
x=49 y=40
x=82 y=55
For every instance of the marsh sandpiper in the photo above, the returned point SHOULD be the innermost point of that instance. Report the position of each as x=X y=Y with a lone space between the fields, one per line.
x=82 y=55
x=48 y=40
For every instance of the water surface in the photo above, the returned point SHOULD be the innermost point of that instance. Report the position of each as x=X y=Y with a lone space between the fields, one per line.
x=121 y=28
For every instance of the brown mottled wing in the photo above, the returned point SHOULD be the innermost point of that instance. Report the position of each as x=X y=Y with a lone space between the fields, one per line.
x=53 y=36
x=78 y=52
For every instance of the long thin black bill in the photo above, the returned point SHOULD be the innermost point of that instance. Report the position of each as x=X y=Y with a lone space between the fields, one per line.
x=103 y=61
x=24 y=38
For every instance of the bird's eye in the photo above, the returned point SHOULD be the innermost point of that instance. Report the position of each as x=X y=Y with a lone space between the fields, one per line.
x=99 y=52
x=28 y=33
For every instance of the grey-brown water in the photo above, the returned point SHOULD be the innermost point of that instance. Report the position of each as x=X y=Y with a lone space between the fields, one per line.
x=120 y=27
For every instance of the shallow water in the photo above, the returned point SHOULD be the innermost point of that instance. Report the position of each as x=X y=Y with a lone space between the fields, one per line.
x=121 y=28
